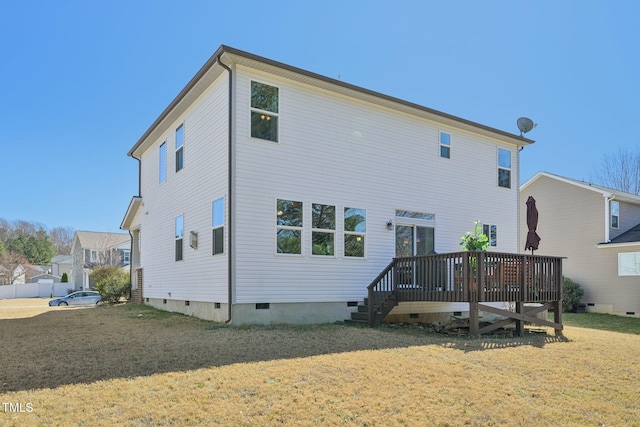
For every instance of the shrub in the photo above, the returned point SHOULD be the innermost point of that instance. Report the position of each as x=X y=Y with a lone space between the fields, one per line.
x=476 y=240
x=571 y=294
x=111 y=282
x=64 y=278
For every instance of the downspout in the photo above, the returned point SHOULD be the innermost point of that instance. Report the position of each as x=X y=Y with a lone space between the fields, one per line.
x=129 y=231
x=229 y=194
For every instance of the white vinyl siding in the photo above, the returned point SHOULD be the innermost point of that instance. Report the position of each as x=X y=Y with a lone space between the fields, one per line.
x=349 y=153
x=199 y=277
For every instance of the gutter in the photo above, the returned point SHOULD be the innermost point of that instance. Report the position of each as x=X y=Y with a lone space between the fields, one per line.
x=229 y=193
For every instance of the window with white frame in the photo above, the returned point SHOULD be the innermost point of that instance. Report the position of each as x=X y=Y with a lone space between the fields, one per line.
x=445 y=145
x=355 y=227
x=629 y=264
x=323 y=229
x=126 y=257
x=264 y=111
x=162 y=166
x=179 y=236
x=491 y=231
x=615 y=214
x=504 y=168
x=217 y=222
x=179 y=148
x=289 y=223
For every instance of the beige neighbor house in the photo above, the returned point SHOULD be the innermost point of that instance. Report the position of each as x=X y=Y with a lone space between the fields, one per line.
x=91 y=249
x=598 y=230
x=270 y=194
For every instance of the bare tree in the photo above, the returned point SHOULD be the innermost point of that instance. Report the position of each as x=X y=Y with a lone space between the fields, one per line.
x=620 y=170
x=62 y=239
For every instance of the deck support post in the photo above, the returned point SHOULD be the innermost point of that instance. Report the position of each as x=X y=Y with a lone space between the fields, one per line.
x=519 y=323
x=557 y=316
x=474 y=319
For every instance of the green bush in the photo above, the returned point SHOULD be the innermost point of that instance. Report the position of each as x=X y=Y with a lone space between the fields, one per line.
x=475 y=240
x=571 y=294
x=64 y=278
x=111 y=282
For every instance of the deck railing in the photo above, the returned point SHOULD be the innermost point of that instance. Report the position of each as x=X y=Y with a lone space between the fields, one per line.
x=466 y=277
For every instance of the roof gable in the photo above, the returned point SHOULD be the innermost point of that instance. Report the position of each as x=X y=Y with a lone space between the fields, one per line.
x=99 y=240
x=604 y=191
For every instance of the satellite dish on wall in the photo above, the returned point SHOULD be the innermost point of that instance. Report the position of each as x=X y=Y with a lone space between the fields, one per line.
x=525 y=124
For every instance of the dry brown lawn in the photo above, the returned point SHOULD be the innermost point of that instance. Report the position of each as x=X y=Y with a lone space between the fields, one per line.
x=133 y=366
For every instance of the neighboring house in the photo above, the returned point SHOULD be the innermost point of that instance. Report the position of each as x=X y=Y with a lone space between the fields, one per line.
x=61 y=264
x=598 y=230
x=45 y=277
x=10 y=275
x=91 y=249
x=272 y=194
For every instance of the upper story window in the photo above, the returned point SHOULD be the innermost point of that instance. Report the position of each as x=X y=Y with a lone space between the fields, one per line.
x=615 y=214
x=289 y=227
x=445 y=145
x=355 y=227
x=323 y=225
x=179 y=237
x=217 y=223
x=504 y=168
x=162 y=167
x=264 y=111
x=179 y=148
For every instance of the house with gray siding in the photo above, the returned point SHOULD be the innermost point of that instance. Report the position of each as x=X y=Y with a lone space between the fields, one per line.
x=597 y=229
x=272 y=194
x=91 y=249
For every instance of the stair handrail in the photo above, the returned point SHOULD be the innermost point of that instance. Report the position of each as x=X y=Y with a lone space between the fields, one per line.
x=375 y=305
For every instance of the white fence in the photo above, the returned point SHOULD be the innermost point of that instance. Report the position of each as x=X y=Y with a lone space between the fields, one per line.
x=34 y=290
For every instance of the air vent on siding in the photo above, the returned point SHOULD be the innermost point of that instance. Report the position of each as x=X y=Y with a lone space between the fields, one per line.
x=193 y=239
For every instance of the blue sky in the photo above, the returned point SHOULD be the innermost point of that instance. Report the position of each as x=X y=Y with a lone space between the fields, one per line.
x=81 y=81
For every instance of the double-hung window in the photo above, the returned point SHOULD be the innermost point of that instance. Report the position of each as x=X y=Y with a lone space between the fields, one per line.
x=162 y=167
x=504 y=168
x=491 y=231
x=179 y=147
x=445 y=145
x=615 y=214
x=179 y=236
x=355 y=227
x=264 y=111
x=289 y=227
x=323 y=226
x=218 y=226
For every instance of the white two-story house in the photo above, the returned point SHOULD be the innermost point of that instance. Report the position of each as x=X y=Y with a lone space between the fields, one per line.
x=272 y=194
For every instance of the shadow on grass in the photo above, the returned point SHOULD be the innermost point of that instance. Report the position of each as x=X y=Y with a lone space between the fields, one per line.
x=63 y=347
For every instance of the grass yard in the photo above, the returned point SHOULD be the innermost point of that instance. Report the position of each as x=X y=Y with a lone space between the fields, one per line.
x=134 y=366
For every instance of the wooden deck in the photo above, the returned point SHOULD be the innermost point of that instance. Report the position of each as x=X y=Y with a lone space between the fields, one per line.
x=476 y=278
